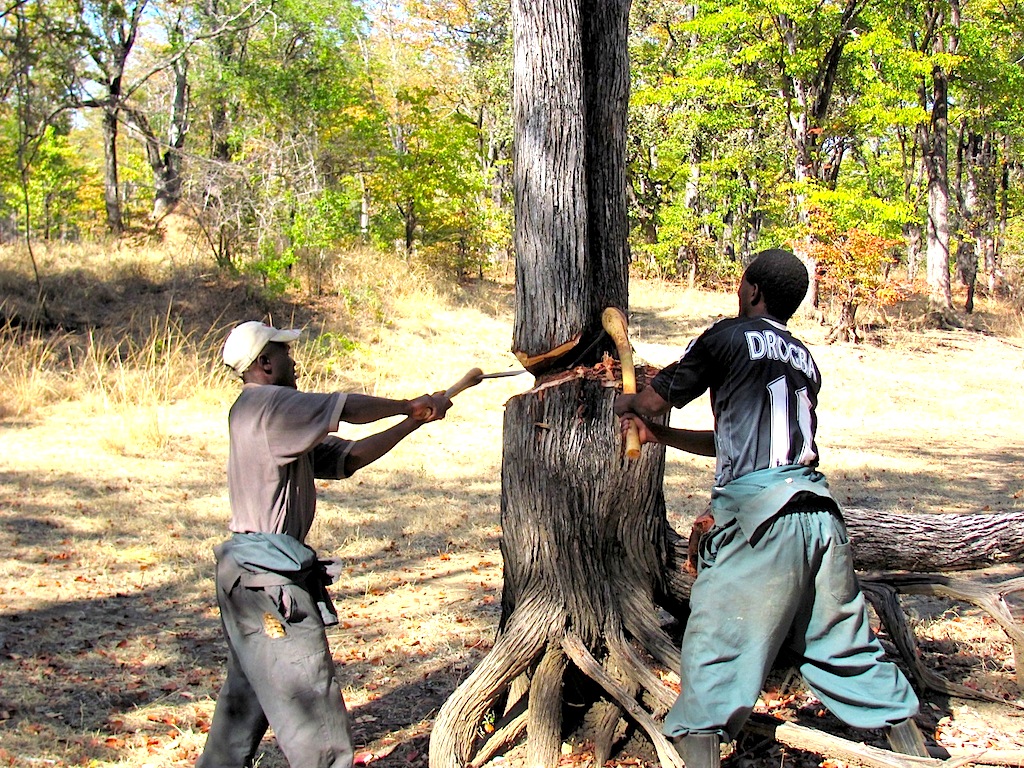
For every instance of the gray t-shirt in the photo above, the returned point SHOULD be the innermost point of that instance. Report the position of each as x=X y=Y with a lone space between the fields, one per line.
x=279 y=442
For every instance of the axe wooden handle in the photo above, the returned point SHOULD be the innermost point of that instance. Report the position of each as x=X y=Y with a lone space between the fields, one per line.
x=614 y=321
x=473 y=377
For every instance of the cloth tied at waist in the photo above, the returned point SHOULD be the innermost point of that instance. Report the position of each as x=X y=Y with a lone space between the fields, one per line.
x=757 y=497
x=269 y=560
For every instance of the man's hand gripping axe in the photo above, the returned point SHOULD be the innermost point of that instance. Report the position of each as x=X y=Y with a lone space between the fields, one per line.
x=614 y=321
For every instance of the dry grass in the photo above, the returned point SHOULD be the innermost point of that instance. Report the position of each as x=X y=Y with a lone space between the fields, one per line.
x=113 y=494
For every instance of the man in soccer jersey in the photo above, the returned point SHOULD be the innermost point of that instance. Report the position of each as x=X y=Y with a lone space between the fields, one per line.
x=775 y=570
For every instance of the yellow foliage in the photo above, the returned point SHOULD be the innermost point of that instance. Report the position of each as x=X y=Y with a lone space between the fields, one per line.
x=854 y=264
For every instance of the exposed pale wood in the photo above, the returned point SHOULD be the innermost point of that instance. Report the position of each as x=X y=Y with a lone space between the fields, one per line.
x=535 y=363
x=821 y=743
x=1012 y=757
x=614 y=321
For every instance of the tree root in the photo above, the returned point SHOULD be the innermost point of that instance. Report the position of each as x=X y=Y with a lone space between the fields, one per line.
x=455 y=728
x=529 y=661
x=639 y=619
x=577 y=651
x=607 y=714
x=662 y=696
x=544 y=718
x=992 y=600
x=882 y=591
x=821 y=743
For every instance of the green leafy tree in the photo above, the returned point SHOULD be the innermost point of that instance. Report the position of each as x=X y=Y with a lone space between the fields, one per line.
x=433 y=187
x=37 y=45
x=53 y=185
x=283 y=107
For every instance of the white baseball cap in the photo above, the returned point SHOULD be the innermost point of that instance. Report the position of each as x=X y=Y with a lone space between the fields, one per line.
x=245 y=342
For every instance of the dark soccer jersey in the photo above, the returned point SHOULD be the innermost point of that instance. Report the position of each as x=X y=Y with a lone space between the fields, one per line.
x=764 y=391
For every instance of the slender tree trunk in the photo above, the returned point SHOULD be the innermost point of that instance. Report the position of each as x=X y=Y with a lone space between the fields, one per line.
x=969 y=154
x=168 y=180
x=912 y=234
x=111 y=185
x=165 y=157
x=936 y=160
x=409 y=215
x=364 y=209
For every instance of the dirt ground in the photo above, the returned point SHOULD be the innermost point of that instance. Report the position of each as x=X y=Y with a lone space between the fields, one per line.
x=110 y=646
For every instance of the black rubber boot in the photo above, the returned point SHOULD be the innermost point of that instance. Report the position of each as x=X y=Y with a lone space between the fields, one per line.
x=906 y=737
x=699 y=750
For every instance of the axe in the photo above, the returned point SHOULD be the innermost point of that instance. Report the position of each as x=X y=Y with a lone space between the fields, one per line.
x=613 y=320
x=473 y=377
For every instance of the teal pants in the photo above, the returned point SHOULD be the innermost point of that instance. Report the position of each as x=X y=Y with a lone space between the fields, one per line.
x=793 y=588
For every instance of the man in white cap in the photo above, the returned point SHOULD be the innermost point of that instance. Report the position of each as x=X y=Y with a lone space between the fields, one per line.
x=271 y=587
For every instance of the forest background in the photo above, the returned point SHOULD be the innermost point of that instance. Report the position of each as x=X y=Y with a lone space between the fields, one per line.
x=864 y=135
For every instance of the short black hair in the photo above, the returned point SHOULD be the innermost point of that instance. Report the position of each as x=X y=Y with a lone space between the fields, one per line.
x=782 y=279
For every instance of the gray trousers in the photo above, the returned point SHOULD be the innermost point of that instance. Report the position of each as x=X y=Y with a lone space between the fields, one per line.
x=794 y=587
x=279 y=672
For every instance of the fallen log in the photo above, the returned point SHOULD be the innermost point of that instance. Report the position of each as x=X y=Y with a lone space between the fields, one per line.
x=934 y=542
x=887 y=541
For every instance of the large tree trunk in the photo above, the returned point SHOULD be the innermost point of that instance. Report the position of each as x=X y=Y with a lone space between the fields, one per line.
x=584 y=528
x=553 y=297
x=583 y=547
x=587 y=550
